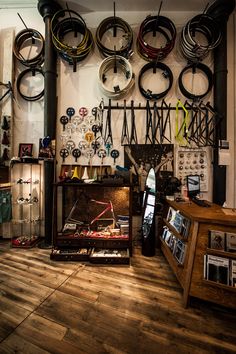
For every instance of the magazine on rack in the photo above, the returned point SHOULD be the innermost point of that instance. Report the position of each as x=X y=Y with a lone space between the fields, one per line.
x=217 y=240
x=230 y=242
x=217 y=269
x=233 y=273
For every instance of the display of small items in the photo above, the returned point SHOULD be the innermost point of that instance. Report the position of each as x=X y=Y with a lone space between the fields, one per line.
x=192 y=162
x=90 y=132
x=98 y=231
x=221 y=268
x=25 y=241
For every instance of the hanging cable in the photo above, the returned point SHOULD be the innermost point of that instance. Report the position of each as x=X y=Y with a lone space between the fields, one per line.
x=29 y=38
x=194 y=68
x=167 y=74
x=126 y=41
x=162 y=25
x=190 y=43
x=65 y=22
x=23 y=75
x=117 y=63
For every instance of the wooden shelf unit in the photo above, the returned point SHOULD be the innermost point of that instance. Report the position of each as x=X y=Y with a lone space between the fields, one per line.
x=191 y=274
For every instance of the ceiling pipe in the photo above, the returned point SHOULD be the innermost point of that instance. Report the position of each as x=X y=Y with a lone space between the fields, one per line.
x=220 y=10
x=47 y=8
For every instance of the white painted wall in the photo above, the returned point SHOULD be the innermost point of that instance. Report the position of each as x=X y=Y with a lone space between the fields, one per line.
x=81 y=88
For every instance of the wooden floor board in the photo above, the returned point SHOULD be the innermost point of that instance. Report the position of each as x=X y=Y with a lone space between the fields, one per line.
x=69 y=307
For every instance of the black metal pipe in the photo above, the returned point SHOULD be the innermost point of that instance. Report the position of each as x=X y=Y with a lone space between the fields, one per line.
x=220 y=10
x=47 y=8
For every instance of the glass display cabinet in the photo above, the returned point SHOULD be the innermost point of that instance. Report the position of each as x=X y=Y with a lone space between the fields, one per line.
x=26 y=186
x=92 y=223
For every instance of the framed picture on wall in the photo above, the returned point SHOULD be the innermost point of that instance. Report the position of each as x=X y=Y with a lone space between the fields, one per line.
x=25 y=150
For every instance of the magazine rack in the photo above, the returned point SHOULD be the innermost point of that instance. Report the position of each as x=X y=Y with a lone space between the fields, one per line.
x=205 y=269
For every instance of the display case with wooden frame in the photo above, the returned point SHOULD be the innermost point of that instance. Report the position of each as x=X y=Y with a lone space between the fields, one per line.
x=91 y=216
x=191 y=273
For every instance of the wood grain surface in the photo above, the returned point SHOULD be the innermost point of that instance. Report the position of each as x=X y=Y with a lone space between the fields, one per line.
x=68 y=307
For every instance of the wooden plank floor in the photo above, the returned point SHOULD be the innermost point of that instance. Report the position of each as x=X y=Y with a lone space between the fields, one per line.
x=67 y=307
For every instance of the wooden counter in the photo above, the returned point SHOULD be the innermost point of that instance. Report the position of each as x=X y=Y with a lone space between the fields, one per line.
x=190 y=273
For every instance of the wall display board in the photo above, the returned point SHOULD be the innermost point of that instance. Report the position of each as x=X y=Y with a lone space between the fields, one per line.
x=193 y=162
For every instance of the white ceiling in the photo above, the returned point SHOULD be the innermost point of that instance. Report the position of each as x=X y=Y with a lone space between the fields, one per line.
x=84 y=6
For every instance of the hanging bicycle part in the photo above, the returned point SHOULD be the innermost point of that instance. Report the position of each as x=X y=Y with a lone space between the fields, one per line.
x=70 y=112
x=64 y=153
x=155 y=124
x=65 y=23
x=120 y=37
x=64 y=120
x=95 y=144
x=108 y=132
x=152 y=24
x=166 y=122
x=194 y=69
x=83 y=145
x=32 y=41
x=182 y=132
x=166 y=74
x=26 y=75
x=112 y=84
x=89 y=137
x=76 y=153
x=5 y=124
x=102 y=154
x=115 y=154
x=149 y=127
x=70 y=145
x=199 y=36
x=83 y=111
x=96 y=129
x=100 y=113
x=9 y=90
x=133 y=132
x=125 y=128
